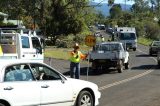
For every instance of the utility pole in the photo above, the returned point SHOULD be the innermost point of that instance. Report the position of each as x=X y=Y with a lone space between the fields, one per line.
x=125 y=4
x=34 y=17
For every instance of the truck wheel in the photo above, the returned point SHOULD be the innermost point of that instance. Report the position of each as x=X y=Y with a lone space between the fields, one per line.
x=159 y=63
x=126 y=65
x=94 y=67
x=150 y=53
x=134 y=49
x=120 y=67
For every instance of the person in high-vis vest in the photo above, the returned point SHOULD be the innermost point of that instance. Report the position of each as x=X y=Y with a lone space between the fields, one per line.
x=75 y=58
x=1 y=51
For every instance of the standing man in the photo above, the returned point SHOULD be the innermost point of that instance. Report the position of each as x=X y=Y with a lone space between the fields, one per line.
x=75 y=57
x=102 y=38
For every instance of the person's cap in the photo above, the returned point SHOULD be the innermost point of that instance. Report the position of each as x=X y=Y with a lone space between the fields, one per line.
x=76 y=45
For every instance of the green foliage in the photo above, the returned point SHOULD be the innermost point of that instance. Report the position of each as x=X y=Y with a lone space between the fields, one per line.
x=152 y=30
x=100 y=18
x=143 y=17
x=110 y=2
x=116 y=11
x=144 y=41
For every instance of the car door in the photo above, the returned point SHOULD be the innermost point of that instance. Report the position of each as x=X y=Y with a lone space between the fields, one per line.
x=55 y=90
x=19 y=87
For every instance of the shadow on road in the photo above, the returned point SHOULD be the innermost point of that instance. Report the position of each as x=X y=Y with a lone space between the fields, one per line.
x=144 y=55
x=94 y=73
x=144 y=67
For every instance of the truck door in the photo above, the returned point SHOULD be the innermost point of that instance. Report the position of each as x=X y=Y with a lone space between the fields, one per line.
x=26 y=51
x=36 y=44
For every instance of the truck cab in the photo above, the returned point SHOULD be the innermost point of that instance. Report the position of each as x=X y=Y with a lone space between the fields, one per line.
x=19 y=45
x=127 y=35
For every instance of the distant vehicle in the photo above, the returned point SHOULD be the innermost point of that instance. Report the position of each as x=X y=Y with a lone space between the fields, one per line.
x=97 y=33
x=101 y=26
x=109 y=54
x=110 y=31
x=28 y=83
x=20 y=44
x=127 y=35
x=154 y=47
x=158 y=58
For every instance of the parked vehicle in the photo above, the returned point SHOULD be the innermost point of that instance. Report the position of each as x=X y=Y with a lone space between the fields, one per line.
x=158 y=58
x=18 y=44
x=109 y=54
x=97 y=34
x=110 y=31
x=154 y=47
x=28 y=83
x=101 y=26
x=127 y=35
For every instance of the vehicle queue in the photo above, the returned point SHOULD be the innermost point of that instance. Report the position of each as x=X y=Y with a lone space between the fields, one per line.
x=45 y=85
x=26 y=81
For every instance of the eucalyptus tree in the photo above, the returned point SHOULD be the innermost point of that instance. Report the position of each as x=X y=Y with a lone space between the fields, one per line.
x=116 y=11
x=156 y=7
x=68 y=16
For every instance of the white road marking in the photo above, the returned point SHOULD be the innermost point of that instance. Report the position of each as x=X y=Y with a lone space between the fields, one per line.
x=128 y=79
x=125 y=80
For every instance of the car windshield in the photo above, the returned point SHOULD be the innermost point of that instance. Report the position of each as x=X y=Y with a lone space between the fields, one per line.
x=127 y=36
x=156 y=43
x=108 y=47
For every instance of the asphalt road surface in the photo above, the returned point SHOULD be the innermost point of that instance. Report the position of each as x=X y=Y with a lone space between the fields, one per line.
x=137 y=86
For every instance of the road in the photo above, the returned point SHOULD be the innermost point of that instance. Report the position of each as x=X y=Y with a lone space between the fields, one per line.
x=137 y=86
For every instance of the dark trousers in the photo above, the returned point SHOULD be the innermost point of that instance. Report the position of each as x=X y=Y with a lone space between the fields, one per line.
x=75 y=70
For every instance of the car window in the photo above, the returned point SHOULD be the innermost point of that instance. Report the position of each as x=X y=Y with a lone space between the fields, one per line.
x=42 y=72
x=25 y=42
x=156 y=43
x=108 y=47
x=20 y=72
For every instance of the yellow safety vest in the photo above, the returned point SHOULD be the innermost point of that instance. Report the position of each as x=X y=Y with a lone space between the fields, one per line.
x=75 y=58
x=1 y=52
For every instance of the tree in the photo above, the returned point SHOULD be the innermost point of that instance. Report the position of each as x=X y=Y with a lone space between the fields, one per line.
x=110 y=2
x=116 y=11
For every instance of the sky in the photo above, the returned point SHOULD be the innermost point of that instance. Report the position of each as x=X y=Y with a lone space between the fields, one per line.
x=116 y=1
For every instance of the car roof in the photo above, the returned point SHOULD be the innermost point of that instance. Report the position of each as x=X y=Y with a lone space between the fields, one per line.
x=111 y=43
x=6 y=62
x=156 y=41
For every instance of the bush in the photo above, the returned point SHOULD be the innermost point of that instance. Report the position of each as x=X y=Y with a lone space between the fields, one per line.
x=152 y=30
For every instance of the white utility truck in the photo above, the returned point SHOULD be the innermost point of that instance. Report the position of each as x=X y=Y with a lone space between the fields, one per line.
x=127 y=35
x=15 y=44
x=109 y=54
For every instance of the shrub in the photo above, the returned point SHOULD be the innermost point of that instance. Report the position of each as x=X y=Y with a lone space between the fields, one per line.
x=152 y=30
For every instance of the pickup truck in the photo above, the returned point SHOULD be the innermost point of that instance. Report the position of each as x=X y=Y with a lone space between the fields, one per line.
x=109 y=54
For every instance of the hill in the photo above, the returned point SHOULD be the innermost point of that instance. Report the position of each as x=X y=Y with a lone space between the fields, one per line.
x=104 y=8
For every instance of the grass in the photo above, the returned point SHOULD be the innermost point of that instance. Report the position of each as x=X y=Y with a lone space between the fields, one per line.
x=144 y=41
x=62 y=53
x=58 y=53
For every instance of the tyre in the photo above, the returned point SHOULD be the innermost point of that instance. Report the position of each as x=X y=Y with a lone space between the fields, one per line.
x=159 y=63
x=126 y=65
x=134 y=49
x=1 y=104
x=95 y=66
x=85 y=99
x=150 y=53
x=120 y=67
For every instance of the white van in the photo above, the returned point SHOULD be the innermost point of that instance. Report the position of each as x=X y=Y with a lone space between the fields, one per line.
x=127 y=35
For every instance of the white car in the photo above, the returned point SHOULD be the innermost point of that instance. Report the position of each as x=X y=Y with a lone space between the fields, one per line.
x=27 y=83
